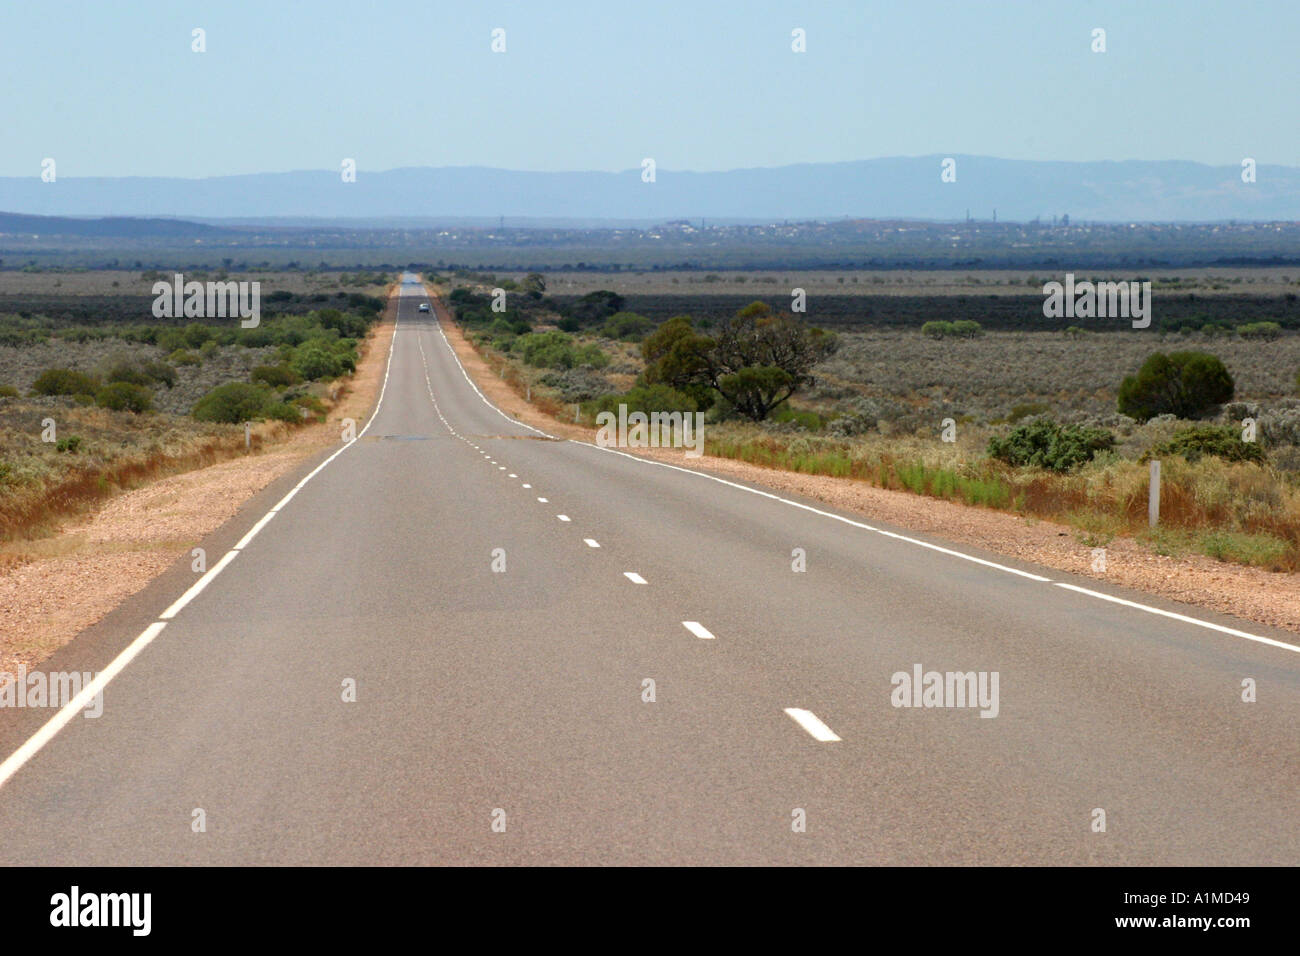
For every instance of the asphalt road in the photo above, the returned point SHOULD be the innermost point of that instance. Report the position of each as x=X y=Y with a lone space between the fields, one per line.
x=517 y=697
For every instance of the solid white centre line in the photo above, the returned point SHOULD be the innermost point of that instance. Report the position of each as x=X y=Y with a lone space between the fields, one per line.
x=810 y=722
x=634 y=577
x=591 y=542
x=698 y=629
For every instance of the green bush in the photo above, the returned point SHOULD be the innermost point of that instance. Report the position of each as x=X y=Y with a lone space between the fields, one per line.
x=1259 y=330
x=282 y=411
x=160 y=372
x=64 y=381
x=276 y=376
x=647 y=398
x=1044 y=443
x=314 y=361
x=1196 y=441
x=124 y=397
x=145 y=373
x=546 y=349
x=233 y=402
x=961 y=329
x=1185 y=384
x=196 y=335
x=627 y=326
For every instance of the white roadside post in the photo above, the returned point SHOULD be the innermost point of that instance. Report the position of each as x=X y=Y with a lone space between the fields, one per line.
x=248 y=436
x=1153 y=495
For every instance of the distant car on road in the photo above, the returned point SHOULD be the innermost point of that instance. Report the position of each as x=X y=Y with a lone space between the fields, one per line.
x=424 y=307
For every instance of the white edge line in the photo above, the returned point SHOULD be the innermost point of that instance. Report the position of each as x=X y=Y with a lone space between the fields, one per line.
x=197 y=587
x=15 y=761
x=1179 y=617
x=811 y=723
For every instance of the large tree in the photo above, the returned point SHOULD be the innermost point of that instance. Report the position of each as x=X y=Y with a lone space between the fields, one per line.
x=757 y=360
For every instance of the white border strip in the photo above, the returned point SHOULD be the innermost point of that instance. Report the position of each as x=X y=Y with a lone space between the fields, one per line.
x=15 y=761
x=1179 y=617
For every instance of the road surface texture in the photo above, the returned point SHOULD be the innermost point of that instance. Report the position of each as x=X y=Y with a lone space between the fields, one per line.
x=502 y=716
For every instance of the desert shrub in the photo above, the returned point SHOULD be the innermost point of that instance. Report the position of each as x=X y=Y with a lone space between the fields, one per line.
x=183 y=357
x=1025 y=410
x=1044 y=443
x=196 y=335
x=233 y=402
x=276 y=376
x=1186 y=384
x=1259 y=330
x=1196 y=441
x=128 y=374
x=627 y=326
x=8 y=391
x=961 y=329
x=546 y=349
x=171 y=340
x=314 y=361
x=142 y=373
x=159 y=372
x=577 y=384
x=847 y=426
x=64 y=381
x=647 y=398
x=282 y=411
x=69 y=443
x=124 y=397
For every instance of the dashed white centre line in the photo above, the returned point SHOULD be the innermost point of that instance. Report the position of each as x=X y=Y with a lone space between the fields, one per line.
x=811 y=723
x=513 y=475
x=698 y=629
x=634 y=577
x=590 y=542
x=563 y=517
x=527 y=486
x=542 y=500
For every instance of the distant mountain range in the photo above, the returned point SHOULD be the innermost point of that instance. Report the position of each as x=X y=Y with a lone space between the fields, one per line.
x=1130 y=191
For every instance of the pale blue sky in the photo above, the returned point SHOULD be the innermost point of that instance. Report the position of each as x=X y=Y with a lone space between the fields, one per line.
x=110 y=87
